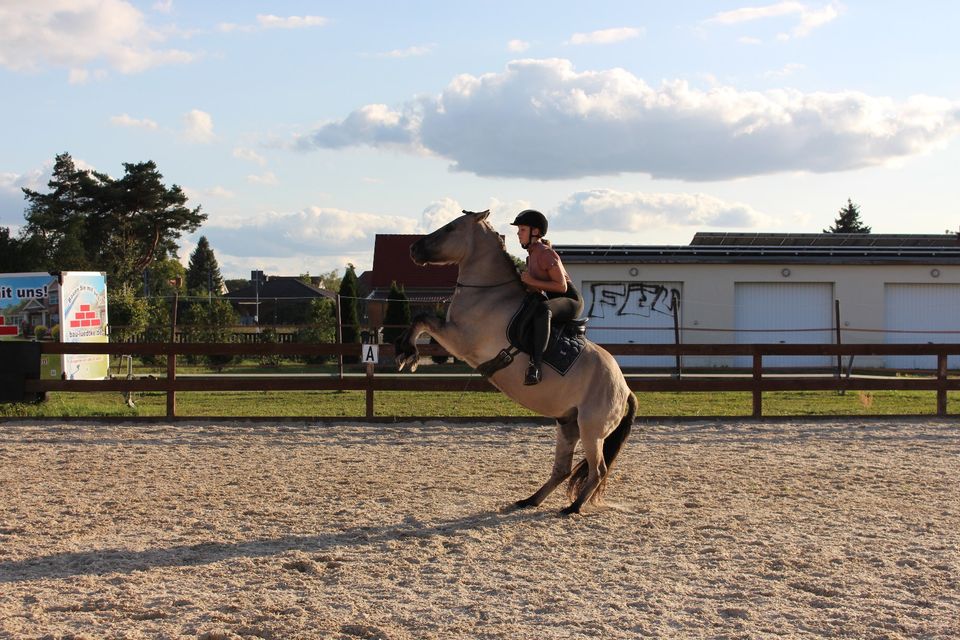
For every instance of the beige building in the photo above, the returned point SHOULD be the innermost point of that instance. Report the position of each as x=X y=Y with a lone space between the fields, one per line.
x=773 y=288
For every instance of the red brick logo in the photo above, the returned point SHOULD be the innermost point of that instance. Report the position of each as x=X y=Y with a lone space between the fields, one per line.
x=84 y=318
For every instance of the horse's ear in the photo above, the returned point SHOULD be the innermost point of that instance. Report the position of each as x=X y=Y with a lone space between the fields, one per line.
x=478 y=216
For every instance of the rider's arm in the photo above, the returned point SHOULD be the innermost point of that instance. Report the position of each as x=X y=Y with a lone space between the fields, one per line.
x=556 y=284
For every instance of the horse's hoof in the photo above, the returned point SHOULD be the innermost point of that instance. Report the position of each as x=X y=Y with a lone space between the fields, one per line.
x=523 y=504
x=569 y=511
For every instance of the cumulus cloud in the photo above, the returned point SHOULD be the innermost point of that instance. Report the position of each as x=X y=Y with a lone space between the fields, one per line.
x=439 y=213
x=374 y=125
x=542 y=119
x=124 y=120
x=606 y=36
x=77 y=33
x=12 y=204
x=623 y=211
x=198 y=126
x=518 y=46
x=311 y=231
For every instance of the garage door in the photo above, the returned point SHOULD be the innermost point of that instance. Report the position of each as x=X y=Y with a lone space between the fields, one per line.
x=911 y=309
x=632 y=313
x=784 y=313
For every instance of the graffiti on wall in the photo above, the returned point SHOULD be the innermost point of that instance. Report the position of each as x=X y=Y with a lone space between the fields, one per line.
x=610 y=299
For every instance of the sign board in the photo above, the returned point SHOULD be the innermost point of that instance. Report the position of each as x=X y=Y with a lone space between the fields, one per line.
x=83 y=318
x=370 y=354
x=76 y=301
x=25 y=303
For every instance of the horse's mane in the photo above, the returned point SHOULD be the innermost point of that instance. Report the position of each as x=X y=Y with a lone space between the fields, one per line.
x=504 y=254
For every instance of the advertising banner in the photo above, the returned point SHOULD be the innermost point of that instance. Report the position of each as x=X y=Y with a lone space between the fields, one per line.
x=69 y=307
x=83 y=318
x=25 y=304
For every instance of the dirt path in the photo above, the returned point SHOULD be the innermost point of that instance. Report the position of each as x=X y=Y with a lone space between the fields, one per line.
x=715 y=530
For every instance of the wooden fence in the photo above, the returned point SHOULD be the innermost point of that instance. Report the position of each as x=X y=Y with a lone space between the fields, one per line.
x=386 y=378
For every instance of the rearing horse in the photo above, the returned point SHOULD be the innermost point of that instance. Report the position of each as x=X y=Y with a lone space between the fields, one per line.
x=591 y=403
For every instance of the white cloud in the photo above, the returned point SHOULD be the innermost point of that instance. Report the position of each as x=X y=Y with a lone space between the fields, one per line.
x=439 y=213
x=787 y=70
x=311 y=231
x=518 y=46
x=12 y=204
x=748 y=14
x=606 y=36
x=198 y=126
x=810 y=18
x=374 y=125
x=290 y=22
x=268 y=179
x=163 y=6
x=542 y=119
x=409 y=52
x=621 y=211
x=78 y=33
x=124 y=120
x=249 y=155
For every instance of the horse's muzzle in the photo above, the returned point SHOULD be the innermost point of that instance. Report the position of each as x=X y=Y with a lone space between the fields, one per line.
x=418 y=252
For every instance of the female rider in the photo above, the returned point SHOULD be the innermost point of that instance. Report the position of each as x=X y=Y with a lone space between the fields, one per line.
x=545 y=274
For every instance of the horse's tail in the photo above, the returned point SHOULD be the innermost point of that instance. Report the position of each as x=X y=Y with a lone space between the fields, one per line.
x=611 y=447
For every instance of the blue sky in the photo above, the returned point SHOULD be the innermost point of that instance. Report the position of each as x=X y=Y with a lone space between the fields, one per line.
x=303 y=129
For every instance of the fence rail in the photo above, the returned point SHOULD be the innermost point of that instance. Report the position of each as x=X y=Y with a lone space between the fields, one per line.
x=757 y=382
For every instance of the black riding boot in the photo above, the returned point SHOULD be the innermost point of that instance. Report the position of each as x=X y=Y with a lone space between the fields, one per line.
x=541 y=333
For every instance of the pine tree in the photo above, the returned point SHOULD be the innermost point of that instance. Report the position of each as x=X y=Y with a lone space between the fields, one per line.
x=397 y=317
x=203 y=272
x=848 y=220
x=349 y=310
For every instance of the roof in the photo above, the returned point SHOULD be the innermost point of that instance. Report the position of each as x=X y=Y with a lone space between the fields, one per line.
x=280 y=287
x=391 y=262
x=777 y=248
x=825 y=240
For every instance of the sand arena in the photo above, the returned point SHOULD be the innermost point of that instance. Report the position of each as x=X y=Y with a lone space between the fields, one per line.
x=737 y=529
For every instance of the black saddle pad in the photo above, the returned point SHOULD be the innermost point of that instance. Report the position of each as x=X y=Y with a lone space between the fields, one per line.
x=567 y=339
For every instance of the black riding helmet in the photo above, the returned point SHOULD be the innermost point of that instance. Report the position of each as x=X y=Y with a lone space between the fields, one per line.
x=532 y=218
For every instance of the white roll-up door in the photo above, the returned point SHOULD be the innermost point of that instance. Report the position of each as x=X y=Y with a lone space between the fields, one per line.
x=632 y=313
x=785 y=313
x=911 y=310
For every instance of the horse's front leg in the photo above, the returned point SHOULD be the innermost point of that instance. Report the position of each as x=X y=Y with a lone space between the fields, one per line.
x=407 y=353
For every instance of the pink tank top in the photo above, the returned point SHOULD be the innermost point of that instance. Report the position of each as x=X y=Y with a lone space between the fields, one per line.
x=541 y=259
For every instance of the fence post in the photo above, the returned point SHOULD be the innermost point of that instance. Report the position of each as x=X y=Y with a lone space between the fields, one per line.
x=369 y=390
x=942 y=379
x=757 y=375
x=171 y=378
x=836 y=307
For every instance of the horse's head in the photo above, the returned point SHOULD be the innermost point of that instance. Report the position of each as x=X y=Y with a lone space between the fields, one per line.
x=451 y=243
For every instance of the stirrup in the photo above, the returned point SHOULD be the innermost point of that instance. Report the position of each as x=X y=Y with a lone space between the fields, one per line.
x=533 y=375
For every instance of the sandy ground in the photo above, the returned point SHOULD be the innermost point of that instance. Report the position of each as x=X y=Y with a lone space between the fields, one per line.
x=711 y=530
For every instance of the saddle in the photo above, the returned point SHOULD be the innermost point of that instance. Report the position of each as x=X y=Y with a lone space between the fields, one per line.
x=565 y=344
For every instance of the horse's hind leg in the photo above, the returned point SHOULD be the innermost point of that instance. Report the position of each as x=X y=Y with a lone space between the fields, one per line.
x=596 y=469
x=568 y=433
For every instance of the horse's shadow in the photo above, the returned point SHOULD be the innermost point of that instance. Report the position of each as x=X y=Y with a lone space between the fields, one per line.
x=108 y=561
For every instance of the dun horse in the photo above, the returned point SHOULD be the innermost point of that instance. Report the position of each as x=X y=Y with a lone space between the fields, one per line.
x=591 y=403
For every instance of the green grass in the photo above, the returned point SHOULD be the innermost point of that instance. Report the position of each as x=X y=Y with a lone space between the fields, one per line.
x=311 y=404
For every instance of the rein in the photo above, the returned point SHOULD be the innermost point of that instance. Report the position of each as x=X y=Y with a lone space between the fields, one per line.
x=485 y=286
